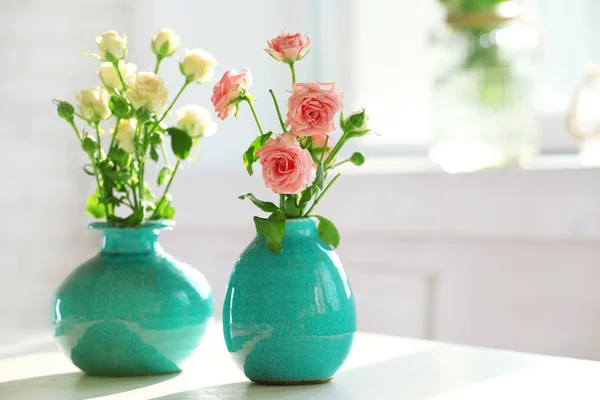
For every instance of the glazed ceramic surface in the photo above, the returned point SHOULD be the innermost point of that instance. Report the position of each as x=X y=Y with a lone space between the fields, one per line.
x=289 y=318
x=132 y=309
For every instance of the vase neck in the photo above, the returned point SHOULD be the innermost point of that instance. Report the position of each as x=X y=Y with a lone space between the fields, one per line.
x=299 y=227
x=143 y=239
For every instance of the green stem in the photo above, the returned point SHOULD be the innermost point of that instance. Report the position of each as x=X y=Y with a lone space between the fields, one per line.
x=116 y=65
x=96 y=172
x=142 y=163
x=164 y=153
x=187 y=82
x=293 y=72
x=278 y=111
x=254 y=114
x=158 y=61
x=340 y=163
x=282 y=202
x=112 y=142
x=321 y=195
x=164 y=196
x=336 y=148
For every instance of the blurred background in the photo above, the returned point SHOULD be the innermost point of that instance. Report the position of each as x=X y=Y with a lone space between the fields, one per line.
x=474 y=219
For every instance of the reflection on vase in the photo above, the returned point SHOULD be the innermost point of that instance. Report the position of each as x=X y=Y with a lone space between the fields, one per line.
x=132 y=309
x=289 y=318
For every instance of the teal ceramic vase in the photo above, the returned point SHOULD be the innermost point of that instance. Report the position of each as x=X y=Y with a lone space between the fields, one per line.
x=132 y=309
x=289 y=318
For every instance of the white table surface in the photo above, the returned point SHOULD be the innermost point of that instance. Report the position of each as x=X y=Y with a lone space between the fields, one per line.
x=379 y=367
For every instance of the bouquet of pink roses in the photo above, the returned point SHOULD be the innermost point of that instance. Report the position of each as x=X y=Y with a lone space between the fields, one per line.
x=296 y=162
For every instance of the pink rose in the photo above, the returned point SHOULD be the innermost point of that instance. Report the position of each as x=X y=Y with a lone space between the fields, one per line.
x=288 y=46
x=229 y=89
x=322 y=141
x=286 y=167
x=312 y=108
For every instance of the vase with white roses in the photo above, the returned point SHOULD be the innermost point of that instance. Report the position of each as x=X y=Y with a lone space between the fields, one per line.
x=289 y=314
x=133 y=309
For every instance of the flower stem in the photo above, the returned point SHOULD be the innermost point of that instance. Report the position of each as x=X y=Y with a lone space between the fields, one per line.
x=321 y=195
x=163 y=197
x=116 y=65
x=164 y=153
x=187 y=82
x=158 y=61
x=97 y=173
x=293 y=72
x=278 y=111
x=112 y=142
x=255 y=116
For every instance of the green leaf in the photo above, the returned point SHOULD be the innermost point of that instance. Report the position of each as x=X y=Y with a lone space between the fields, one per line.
x=94 y=205
x=327 y=231
x=164 y=210
x=307 y=195
x=65 y=110
x=118 y=176
x=153 y=154
x=89 y=169
x=320 y=175
x=89 y=145
x=163 y=176
x=120 y=157
x=136 y=218
x=250 y=156
x=357 y=159
x=157 y=138
x=181 y=143
x=357 y=134
x=266 y=206
x=143 y=115
x=272 y=229
x=292 y=208
x=119 y=107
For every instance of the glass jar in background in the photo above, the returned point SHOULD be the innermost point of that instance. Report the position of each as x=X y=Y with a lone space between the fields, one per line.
x=484 y=63
x=584 y=116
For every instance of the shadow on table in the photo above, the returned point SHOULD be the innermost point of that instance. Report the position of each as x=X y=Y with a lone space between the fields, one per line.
x=74 y=386
x=416 y=376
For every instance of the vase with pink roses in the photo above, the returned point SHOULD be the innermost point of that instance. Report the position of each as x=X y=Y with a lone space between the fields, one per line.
x=289 y=315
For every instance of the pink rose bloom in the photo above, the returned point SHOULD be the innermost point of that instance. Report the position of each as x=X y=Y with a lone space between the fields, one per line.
x=322 y=141
x=229 y=89
x=286 y=167
x=288 y=46
x=312 y=108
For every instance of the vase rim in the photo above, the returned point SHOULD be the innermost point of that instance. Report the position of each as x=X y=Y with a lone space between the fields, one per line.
x=148 y=225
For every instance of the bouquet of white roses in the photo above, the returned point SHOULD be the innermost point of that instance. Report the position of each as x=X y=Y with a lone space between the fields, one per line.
x=138 y=104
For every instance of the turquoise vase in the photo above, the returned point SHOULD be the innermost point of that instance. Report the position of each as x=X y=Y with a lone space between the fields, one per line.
x=289 y=318
x=132 y=309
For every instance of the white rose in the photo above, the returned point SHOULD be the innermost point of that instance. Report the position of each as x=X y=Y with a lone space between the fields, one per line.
x=110 y=78
x=93 y=104
x=125 y=137
x=166 y=38
x=148 y=90
x=198 y=65
x=111 y=42
x=196 y=121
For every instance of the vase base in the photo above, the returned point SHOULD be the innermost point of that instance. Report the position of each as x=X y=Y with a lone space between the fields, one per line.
x=130 y=374
x=292 y=383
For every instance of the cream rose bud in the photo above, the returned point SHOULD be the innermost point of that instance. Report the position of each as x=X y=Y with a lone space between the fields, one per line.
x=111 y=43
x=110 y=78
x=165 y=43
x=196 y=121
x=125 y=136
x=93 y=104
x=148 y=90
x=198 y=65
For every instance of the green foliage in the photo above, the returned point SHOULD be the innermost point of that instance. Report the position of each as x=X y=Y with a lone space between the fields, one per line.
x=120 y=107
x=181 y=143
x=89 y=145
x=164 y=210
x=328 y=231
x=164 y=175
x=94 y=205
x=272 y=229
x=250 y=156
x=320 y=175
x=266 y=206
x=143 y=115
x=470 y=6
